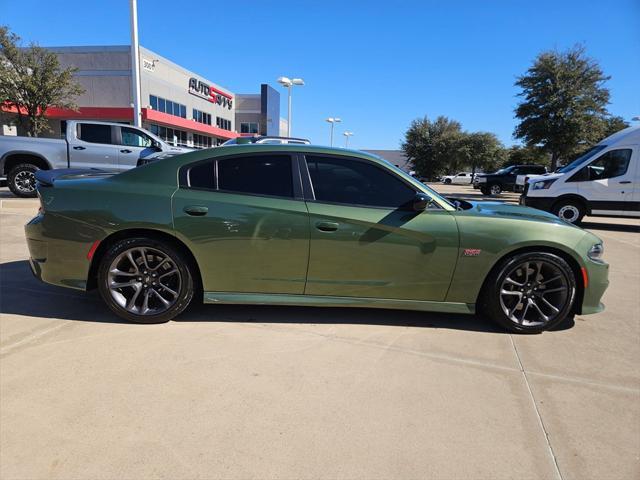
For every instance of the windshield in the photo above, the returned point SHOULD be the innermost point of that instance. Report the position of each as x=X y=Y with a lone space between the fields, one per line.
x=405 y=175
x=502 y=171
x=581 y=159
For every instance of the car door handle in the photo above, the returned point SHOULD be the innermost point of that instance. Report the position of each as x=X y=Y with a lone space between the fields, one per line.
x=79 y=148
x=196 y=210
x=327 y=226
x=625 y=181
x=125 y=151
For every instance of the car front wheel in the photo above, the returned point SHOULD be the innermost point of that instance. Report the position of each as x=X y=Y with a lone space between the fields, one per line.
x=570 y=211
x=144 y=280
x=530 y=292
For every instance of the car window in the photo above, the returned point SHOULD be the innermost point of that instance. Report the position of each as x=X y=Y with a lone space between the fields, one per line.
x=94 y=133
x=356 y=182
x=612 y=164
x=462 y=174
x=135 y=138
x=202 y=175
x=257 y=174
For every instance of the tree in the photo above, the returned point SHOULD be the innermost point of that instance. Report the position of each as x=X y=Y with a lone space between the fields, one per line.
x=482 y=150
x=431 y=145
x=612 y=125
x=564 y=103
x=32 y=80
x=519 y=155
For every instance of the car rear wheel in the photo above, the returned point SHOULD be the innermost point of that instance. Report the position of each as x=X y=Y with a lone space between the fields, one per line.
x=571 y=211
x=145 y=280
x=22 y=180
x=530 y=292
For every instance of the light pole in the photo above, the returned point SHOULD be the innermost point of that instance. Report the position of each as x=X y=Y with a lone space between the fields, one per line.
x=332 y=121
x=347 y=134
x=135 y=64
x=289 y=83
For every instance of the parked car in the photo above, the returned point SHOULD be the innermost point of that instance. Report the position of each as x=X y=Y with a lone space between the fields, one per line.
x=305 y=225
x=86 y=144
x=504 y=180
x=266 y=140
x=462 y=178
x=604 y=181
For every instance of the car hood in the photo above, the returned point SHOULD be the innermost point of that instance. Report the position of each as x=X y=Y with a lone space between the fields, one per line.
x=514 y=212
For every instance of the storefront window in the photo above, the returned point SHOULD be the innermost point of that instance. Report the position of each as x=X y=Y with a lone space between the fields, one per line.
x=167 y=106
x=249 y=127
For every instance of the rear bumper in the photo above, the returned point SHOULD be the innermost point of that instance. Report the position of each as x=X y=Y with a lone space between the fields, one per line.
x=56 y=260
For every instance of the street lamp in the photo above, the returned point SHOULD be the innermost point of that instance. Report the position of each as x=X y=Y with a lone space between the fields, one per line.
x=333 y=121
x=289 y=83
x=347 y=134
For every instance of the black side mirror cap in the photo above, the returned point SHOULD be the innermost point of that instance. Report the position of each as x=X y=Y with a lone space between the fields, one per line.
x=421 y=202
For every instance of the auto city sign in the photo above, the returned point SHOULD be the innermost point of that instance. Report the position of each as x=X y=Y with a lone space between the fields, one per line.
x=209 y=93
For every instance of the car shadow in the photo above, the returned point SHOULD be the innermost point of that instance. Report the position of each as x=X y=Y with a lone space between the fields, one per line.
x=612 y=227
x=22 y=294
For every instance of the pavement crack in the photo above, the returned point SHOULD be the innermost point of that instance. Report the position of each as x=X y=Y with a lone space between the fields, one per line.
x=538 y=414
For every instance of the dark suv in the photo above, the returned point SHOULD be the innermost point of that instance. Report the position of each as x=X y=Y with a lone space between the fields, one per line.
x=504 y=180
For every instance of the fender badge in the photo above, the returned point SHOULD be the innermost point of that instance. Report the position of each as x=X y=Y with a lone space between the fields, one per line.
x=471 y=252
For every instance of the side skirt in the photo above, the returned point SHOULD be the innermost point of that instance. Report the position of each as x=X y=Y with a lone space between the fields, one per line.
x=326 y=301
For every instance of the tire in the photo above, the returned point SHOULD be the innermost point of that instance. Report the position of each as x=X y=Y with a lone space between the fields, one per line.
x=21 y=180
x=447 y=181
x=540 y=269
x=571 y=211
x=495 y=189
x=153 y=261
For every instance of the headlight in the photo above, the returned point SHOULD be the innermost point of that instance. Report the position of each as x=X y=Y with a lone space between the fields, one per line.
x=542 y=185
x=481 y=179
x=596 y=252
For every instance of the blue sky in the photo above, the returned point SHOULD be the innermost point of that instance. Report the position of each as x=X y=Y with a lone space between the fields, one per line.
x=375 y=64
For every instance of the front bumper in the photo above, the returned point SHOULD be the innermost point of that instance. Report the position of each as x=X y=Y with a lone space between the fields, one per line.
x=541 y=203
x=597 y=279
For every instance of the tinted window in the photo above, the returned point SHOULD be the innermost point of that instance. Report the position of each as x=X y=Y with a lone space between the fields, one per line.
x=357 y=183
x=612 y=164
x=202 y=176
x=95 y=133
x=262 y=175
x=134 y=138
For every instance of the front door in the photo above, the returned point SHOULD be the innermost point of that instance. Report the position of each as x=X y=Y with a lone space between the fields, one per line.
x=607 y=182
x=245 y=221
x=93 y=147
x=134 y=145
x=366 y=243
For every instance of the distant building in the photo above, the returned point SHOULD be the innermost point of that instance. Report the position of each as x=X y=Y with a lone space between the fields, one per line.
x=180 y=106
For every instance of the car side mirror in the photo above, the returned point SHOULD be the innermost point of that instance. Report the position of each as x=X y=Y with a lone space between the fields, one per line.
x=421 y=202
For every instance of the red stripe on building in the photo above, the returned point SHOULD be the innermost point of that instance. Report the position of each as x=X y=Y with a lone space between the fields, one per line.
x=126 y=113
x=178 y=122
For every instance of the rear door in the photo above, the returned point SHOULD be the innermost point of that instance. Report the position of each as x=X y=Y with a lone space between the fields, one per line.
x=364 y=240
x=134 y=144
x=244 y=219
x=94 y=146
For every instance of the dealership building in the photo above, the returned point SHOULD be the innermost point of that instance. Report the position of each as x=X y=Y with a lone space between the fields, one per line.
x=181 y=107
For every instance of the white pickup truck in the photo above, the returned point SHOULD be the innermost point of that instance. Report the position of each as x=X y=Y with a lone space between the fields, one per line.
x=87 y=144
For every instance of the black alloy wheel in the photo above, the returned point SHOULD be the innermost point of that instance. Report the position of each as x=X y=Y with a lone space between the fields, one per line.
x=530 y=292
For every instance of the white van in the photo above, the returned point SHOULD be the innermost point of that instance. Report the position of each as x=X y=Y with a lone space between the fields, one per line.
x=604 y=181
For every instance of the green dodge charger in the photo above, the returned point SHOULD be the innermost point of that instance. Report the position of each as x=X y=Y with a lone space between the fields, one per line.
x=305 y=225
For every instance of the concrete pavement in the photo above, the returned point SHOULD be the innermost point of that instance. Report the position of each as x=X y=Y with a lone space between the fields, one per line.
x=256 y=392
